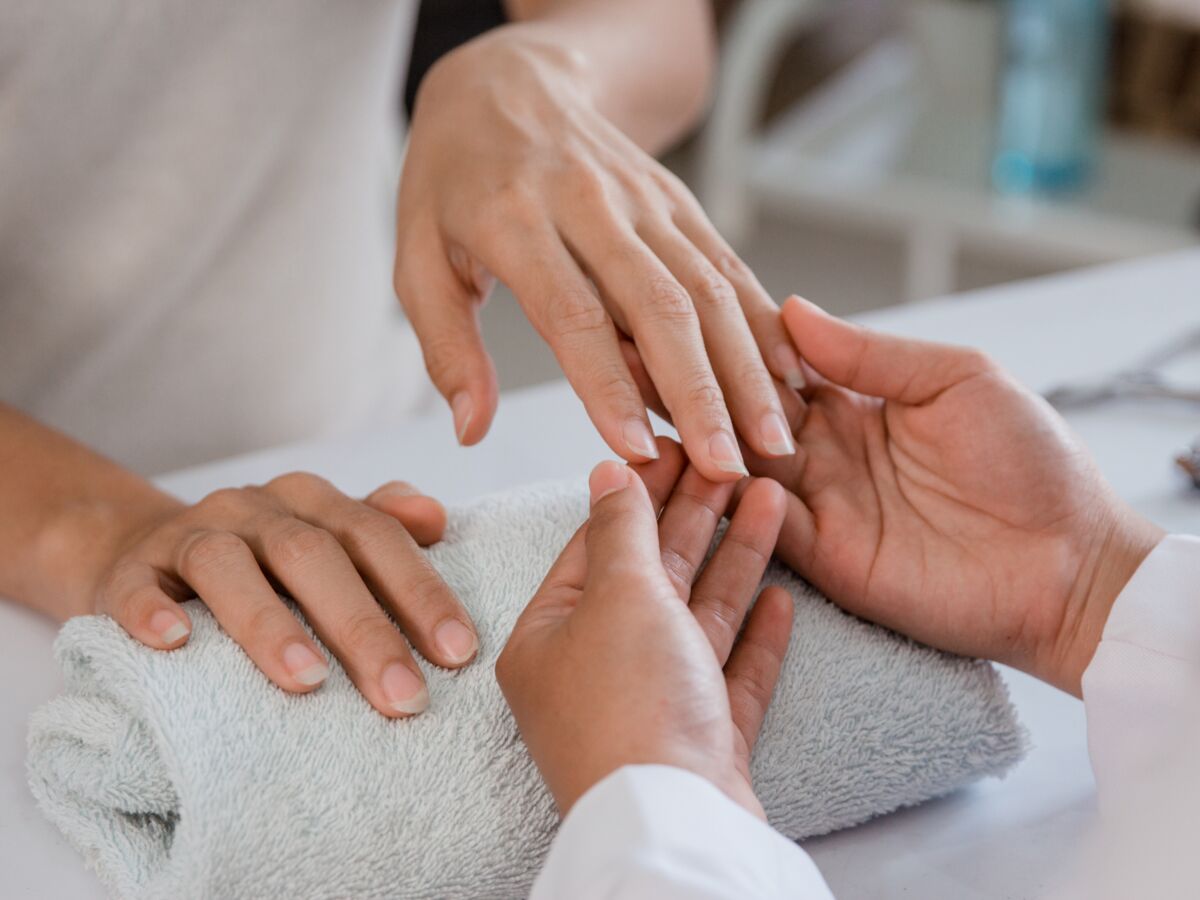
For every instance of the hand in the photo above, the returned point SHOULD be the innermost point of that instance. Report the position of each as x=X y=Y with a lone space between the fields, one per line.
x=933 y=494
x=513 y=172
x=629 y=653
x=333 y=554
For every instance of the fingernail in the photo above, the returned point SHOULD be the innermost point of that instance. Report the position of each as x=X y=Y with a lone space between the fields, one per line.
x=789 y=366
x=168 y=626
x=640 y=439
x=405 y=692
x=723 y=451
x=607 y=478
x=463 y=409
x=455 y=640
x=304 y=664
x=776 y=437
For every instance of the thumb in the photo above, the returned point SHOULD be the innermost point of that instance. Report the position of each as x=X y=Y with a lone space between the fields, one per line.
x=622 y=531
x=879 y=365
x=444 y=312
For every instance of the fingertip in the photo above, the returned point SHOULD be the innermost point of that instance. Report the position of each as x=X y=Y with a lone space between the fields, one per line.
x=171 y=628
x=424 y=518
x=607 y=478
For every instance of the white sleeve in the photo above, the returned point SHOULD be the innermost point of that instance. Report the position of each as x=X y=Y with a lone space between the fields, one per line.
x=662 y=833
x=1142 y=696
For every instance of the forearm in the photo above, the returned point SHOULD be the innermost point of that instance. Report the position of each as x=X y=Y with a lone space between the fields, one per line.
x=63 y=510
x=647 y=63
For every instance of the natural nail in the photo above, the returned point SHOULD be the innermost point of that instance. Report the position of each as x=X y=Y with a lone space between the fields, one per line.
x=640 y=439
x=723 y=451
x=776 y=437
x=405 y=691
x=789 y=366
x=463 y=409
x=607 y=478
x=305 y=665
x=168 y=626
x=455 y=640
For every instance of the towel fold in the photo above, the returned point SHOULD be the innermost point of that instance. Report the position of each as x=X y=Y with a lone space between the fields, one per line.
x=187 y=774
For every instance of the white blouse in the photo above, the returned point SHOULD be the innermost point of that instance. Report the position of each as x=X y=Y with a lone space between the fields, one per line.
x=196 y=208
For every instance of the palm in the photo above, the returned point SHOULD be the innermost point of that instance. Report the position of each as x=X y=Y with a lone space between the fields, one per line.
x=948 y=519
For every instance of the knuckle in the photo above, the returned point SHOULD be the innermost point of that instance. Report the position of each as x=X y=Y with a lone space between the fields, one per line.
x=712 y=289
x=365 y=629
x=442 y=355
x=577 y=313
x=225 y=503
x=731 y=266
x=298 y=543
x=678 y=566
x=426 y=588
x=756 y=675
x=297 y=483
x=703 y=393
x=211 y=551
x=586 y=184
x=265 y=624
x=666 y=300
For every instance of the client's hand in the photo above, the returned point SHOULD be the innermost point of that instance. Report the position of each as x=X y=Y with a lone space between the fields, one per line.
x=933 y=494
x=338 y=557
x=629 y=653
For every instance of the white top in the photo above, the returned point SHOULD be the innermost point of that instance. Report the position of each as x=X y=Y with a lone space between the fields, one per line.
x=196 y=237
x=657 y=832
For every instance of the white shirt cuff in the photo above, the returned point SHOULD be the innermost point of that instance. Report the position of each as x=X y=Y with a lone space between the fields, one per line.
x=666 y=833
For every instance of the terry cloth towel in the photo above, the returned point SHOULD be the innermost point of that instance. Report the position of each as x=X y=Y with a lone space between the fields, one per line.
x=187 y=774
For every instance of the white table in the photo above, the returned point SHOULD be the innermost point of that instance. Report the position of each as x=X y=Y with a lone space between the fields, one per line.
x=1000 y=839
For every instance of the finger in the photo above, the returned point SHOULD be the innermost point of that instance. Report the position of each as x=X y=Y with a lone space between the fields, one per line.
x=761 y=312
x=794 y=408
x=756 y=661
x=731 y=346
x=622 y=533
x=879 y=365
x=423 y=517
x=725 y=589
x=663 y=323
x=660 y=475
x=444 y=312
x=687 y=525
x=385 y=556
x=315 y=570
x=564 y=308
x=133 y=595
x=221 y=569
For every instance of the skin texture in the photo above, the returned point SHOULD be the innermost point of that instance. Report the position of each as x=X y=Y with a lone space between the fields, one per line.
x=81 y=535
x=933 y=494
x=528 y=163
x=629 y=653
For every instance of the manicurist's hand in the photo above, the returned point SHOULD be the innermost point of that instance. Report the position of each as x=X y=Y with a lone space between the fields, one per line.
x=630 y=652
x=933 y=494
x=522 y=167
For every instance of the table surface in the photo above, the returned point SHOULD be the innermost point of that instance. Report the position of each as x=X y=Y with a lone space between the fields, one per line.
x=1006 y=838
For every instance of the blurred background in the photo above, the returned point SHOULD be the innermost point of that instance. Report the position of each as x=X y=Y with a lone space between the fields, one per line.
x=866 y=152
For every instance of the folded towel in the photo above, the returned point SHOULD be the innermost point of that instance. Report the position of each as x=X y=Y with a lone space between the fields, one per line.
x=187 y=774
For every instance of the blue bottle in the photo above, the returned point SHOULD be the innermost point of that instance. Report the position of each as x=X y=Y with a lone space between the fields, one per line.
x=1051 y=95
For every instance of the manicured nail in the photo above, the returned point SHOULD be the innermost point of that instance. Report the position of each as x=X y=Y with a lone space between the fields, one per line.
x=455 y=640
x=168 y=626
x=723 y=451
x=640 y=439
x=305 y=665
x=405 y=692
x=607 y=478
x=775 y=435
x=463 y=409
x=789 y=366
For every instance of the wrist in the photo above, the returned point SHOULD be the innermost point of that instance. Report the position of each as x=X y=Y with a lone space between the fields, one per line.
x=78 y=545
x=1119 y=546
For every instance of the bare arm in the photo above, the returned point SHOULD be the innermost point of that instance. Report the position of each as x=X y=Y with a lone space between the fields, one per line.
x=649 y=62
